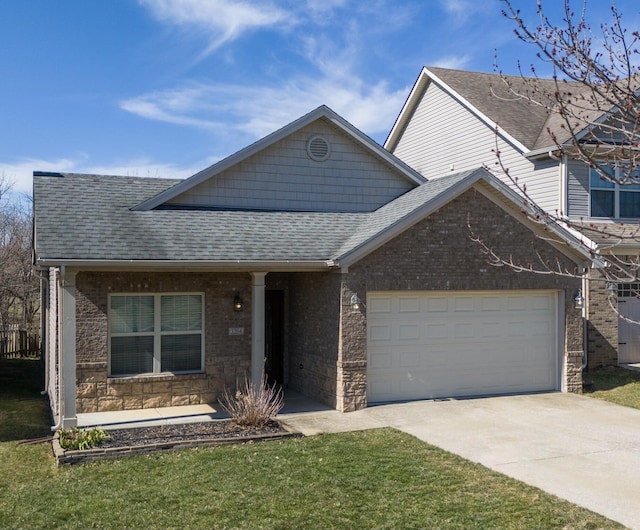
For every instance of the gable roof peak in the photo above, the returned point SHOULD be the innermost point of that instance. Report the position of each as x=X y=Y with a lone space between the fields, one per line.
x=498 y=100
x=322 y=112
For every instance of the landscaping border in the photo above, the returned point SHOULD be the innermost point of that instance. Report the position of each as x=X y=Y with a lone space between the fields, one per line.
x=68 y=457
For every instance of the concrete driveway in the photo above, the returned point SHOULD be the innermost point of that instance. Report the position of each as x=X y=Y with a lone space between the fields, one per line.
x=583 y=450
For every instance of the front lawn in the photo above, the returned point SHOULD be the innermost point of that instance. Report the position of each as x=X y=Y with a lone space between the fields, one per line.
x=373 y=479
x=616 y=385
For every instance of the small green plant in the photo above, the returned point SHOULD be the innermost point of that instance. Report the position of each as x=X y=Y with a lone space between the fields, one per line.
x=252 y=406
x=75 y=439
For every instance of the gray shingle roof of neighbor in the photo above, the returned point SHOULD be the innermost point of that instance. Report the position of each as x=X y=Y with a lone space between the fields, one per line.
x=490 y=94
x=89 y=217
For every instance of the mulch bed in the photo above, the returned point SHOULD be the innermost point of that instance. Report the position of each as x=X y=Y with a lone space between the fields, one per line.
x=218 y=429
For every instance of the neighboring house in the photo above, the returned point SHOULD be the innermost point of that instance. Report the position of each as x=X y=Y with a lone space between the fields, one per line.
x=313 y=255
x=456 y=120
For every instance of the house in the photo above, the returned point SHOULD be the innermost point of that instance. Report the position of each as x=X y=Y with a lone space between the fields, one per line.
x=455 y=120
x=314 y=257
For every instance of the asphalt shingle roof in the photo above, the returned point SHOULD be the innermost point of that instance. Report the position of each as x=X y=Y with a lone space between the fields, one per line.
x=89 y=217
x=389 y=214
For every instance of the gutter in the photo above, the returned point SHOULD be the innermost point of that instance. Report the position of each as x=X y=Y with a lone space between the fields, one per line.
x=544 y=152
x=226 y=265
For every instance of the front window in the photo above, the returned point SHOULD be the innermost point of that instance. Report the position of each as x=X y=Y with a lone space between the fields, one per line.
x=155 y=333
x=612 y=200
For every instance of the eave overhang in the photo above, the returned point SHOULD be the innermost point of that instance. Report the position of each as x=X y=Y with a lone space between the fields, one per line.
x=189 y=265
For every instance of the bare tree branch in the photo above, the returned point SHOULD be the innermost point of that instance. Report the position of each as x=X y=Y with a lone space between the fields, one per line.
x=595 y=90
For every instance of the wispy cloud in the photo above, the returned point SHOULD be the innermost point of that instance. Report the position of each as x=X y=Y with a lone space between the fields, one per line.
x=220 y=21
x=463 y=11
x=459 y=62
x=20 y=173
x=337 y=46
x=259 y=110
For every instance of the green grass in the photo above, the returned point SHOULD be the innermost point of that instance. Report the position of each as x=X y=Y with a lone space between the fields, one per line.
x=616 y=385
x=24 y=412
x=372 y=479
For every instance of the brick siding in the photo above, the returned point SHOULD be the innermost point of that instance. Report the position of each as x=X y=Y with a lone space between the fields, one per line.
x=602 y=325
x=314 y=334
x=437 y=254
x=325 y=341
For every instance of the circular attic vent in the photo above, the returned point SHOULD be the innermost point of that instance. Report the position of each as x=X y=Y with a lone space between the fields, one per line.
x=318 y=148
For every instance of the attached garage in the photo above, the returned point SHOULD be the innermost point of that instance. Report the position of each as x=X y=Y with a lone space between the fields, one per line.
x=433 y=344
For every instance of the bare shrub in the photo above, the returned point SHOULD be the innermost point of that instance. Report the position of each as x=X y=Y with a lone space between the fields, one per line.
x=252 y=406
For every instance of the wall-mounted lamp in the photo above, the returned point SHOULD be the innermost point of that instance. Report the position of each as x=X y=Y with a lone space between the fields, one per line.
x=612 y=289
x=238 y=304
x=578 y=299
x=355 y=303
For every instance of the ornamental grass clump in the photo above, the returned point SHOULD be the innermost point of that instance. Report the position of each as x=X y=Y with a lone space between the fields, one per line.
x=252 y=406
x=75 y=439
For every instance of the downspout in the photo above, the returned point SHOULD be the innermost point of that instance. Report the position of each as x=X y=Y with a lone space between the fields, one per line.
x=44 y=315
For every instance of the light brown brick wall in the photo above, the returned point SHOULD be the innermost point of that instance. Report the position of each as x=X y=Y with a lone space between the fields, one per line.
x=227 y=358
x=314 y=333
x=325 y=341
x=602 y=325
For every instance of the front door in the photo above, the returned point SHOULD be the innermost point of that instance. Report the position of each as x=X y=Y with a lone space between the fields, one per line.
x=274 y=336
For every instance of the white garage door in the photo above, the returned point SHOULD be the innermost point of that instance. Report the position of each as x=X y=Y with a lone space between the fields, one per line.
x=443 y=344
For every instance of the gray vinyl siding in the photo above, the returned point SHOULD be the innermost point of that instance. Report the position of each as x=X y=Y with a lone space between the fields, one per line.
x=577 y=189
x=444 y=136
x=283 y=177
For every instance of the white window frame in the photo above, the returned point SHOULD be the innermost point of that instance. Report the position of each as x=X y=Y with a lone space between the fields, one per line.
x=157 y=332
x=616 y=189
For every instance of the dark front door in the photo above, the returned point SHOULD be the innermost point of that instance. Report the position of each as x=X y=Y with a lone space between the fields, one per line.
x=274 y=340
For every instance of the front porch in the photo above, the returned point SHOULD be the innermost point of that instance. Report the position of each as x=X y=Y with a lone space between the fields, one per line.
x=294 y=403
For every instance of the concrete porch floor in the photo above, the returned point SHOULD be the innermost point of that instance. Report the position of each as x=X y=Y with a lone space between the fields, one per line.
x=294 y=402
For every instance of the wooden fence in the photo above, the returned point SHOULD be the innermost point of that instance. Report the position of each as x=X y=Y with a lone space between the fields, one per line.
x=16 y=342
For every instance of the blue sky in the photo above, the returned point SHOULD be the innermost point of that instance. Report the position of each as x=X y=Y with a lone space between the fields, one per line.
x=164 y=88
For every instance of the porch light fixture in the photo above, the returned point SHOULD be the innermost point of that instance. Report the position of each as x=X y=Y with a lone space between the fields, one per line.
x=238 y=304
x=355 y=303
x=579 y=299
x=612 y=289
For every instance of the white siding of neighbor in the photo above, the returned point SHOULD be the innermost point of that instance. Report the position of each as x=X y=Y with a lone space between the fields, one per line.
x=443 y=136
x=577 y=189
x=283 y=177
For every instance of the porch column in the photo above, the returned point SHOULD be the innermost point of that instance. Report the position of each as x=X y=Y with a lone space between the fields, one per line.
x=257 y=327
x=68 y=344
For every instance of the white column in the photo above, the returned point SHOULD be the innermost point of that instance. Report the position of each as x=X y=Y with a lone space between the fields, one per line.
x=52 y=343
x=68 y=313
x=257 y=327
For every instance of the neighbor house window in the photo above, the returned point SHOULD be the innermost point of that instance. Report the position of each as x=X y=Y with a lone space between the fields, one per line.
x=154 y=333
x=612 y=200
x=628 y=290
